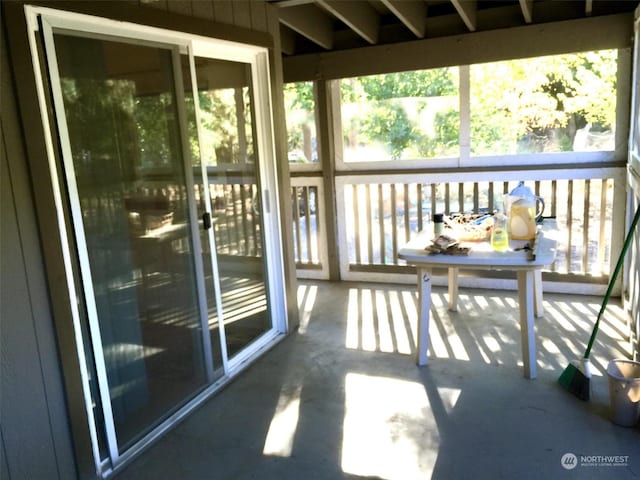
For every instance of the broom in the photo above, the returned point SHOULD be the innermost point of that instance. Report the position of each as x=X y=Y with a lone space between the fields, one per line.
x=577 y=376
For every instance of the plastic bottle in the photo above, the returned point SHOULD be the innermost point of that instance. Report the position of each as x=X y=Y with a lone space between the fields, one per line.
x=499 y=235
x=438 y=223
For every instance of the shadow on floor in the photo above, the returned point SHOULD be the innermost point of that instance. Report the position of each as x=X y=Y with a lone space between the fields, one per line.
x=343 y=398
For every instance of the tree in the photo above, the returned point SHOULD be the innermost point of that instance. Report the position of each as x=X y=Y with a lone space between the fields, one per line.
x=402 y=113
x=389 y=122
x=527 y=105
x=540 y=104
x=300 y=105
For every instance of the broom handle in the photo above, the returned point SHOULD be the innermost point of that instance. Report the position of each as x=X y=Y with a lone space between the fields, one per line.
x=612 y=281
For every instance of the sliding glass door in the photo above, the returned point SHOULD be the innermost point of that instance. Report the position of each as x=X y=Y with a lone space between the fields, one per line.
x=229 y=154
x=167 y=162
x=128 y=176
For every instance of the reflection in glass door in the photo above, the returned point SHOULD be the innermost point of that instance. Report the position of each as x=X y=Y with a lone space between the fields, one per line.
x=228 y=150
x=125 y=165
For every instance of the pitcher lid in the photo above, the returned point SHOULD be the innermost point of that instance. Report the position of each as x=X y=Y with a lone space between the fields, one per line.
x=521 y=191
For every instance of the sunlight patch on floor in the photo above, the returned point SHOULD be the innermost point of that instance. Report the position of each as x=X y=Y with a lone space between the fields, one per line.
x=410 y=306
x=402 y=336
x=368 y=329
x=449 y=397
x=389 y=430
x=380 y=321
x=384 y=324
x=444 y=341
x=307 y=295
x=559 y=317
x=437 y=347
x=492 y=344
x=282 y=430
x=550 y=346
x=456 y=345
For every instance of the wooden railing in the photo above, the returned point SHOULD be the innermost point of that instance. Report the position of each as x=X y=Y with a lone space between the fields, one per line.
x=236 y=215
x=305 y=226
x=377 y=214
x=309 y=238
x=380 y=215
x=236 y=219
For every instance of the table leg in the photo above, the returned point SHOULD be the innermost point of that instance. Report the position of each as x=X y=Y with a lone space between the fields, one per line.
x=537 y=291
x=453 y=289
x=424 y=298
x=527 y=331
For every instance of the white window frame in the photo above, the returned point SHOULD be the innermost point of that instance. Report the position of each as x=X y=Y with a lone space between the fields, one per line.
x=465 y=159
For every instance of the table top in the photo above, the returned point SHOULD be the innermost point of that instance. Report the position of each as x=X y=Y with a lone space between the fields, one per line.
x=481 y=254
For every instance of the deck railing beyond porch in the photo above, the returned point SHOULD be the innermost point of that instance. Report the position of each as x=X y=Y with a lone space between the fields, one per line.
x=378 y=213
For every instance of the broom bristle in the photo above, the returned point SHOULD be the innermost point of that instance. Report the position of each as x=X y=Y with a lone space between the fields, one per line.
x=576 y=382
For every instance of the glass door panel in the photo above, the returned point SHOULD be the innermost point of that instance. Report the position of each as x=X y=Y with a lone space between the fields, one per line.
x=204 y=212
x=229 y=151
x=132 y=205
x=180 y=265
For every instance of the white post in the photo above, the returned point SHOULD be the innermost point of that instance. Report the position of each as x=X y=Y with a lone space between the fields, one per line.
x=424 y=299
x=527 y=332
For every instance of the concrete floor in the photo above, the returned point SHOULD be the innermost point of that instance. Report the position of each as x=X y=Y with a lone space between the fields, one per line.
x=342 y=398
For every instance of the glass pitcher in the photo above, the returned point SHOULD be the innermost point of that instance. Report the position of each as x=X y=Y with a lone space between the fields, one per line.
x=524 y=210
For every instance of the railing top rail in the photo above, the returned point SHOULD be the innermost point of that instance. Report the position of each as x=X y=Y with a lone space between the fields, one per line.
x=354 y=178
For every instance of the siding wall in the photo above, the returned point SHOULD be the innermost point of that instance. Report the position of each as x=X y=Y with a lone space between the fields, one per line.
x=36 y=443
x=37 y=413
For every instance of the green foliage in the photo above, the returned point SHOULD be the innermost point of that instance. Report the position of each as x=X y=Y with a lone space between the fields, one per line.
x=220 y=110
x=424 y=83
x=539 y=104
x=518 y=106
x=150 y=114
x=402 y=112
x=446 y=138
x=299 y=95
x=389 y=122
x=300 y=105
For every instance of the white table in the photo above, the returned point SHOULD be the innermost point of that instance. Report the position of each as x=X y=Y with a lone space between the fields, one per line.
x=482 y=257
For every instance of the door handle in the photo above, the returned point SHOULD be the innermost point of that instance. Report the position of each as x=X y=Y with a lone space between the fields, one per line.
x=206 y=220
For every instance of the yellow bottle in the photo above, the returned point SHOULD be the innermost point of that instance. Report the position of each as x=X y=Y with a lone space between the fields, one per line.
x=499 y=235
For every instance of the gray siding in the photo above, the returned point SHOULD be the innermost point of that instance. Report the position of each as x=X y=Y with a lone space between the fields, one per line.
x=35 y=436
x=249 y=14
x=36 y=341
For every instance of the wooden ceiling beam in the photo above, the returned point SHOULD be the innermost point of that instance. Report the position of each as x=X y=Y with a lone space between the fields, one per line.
x=310 y=22
x=289 y=3
x=413 y=14
x=467 y=9
x=577 y=35
x=287 y=40
x=359 y=16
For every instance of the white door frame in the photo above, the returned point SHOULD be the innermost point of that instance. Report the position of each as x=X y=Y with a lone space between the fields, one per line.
x=179 y=43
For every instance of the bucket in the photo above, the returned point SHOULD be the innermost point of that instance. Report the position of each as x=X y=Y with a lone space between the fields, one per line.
x=624 y=391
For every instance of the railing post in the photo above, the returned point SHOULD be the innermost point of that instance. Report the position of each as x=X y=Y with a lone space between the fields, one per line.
x=328 y=123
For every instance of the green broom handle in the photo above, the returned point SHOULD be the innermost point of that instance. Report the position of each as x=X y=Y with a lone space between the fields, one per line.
x=612 y=281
